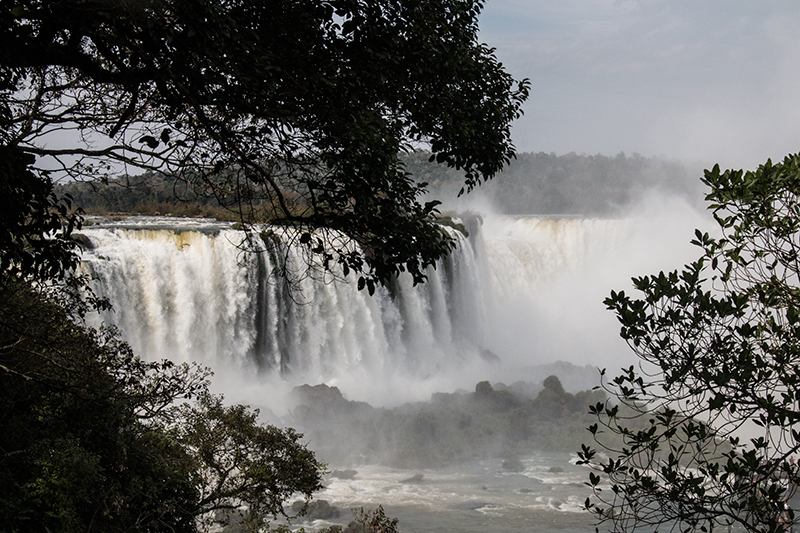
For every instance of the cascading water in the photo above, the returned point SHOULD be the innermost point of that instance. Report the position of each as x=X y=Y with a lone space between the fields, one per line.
x=185 y=290
x=188 y=291
x=527 y=253
x=518 y=291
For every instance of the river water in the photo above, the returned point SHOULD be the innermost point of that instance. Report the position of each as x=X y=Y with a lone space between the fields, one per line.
x=478 y=497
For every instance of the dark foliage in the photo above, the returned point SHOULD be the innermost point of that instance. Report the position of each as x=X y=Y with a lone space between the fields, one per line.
x=75 y=453
x=35 y=225
x=287 y=111
x=94 y=439
x=715 y=409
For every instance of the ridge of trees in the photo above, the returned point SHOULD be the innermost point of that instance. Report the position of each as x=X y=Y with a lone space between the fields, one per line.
x=534 y=183
x=590 y=185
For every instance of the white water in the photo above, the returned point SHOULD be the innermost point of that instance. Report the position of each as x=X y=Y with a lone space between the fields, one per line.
x=473 y=498
x=516 y=290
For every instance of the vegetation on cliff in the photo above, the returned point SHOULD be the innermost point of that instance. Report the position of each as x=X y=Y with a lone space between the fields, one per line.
x=533 y=183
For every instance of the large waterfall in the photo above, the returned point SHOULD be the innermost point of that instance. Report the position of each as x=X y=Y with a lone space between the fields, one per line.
x=186 y=290
x=190 y=290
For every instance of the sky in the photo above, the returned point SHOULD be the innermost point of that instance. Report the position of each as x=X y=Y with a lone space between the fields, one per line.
x=704 y=81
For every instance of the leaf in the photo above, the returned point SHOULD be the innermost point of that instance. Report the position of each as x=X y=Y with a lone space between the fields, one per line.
x=150 y=141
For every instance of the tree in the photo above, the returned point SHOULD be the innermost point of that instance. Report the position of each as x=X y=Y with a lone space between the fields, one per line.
x=240 y=461
x=291 y=112
x=93 y=438
x=708 y=424
x=35 y=225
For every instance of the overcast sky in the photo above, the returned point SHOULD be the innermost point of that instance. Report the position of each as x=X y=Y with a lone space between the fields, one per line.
x=699 y=80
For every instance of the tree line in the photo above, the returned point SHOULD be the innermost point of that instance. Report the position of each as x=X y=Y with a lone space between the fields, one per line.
x=590 y=185
x=533 y=183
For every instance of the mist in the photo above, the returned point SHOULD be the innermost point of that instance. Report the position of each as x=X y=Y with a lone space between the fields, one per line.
x=463 y=395
x=543 y=305
x=521 y=291
x=562 y=317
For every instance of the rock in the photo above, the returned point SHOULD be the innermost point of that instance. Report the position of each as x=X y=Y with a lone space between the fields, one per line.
x=416 y=478
x=315 y=510
x=323 y=401
x=513 y=465
x=556 y=470
x=344 y=474
x=490 y=356
x=83 y=241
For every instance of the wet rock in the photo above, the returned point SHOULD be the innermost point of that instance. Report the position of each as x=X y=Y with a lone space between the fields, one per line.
x=315 y=510
x=343 y=474
x=513 y=464
x=83 y=241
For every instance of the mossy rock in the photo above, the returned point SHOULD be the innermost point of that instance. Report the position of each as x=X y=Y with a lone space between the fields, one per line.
x=513 y=464
x=315 y=510
x=446 y=220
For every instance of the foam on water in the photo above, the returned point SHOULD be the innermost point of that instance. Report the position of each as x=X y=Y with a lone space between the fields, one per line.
x=468 y=497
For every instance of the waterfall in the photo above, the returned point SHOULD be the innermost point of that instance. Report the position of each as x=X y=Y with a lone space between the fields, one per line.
x=187 y=290
x=528 y=253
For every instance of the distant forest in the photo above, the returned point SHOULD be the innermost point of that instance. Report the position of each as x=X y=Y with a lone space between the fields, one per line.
x=595 y=185
x=145 y=194
x=534 y=183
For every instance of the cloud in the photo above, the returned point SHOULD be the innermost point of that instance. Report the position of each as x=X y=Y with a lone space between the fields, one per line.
x=710 y=81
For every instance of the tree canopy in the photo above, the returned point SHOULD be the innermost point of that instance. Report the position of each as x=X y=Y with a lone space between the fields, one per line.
x=290 y=111
x=534 y=183
x=93 y=438
x=709 y=422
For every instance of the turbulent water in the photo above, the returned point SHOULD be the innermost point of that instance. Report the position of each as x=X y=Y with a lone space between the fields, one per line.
x=517 y=292
x=547 y=496
x=187 y=290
